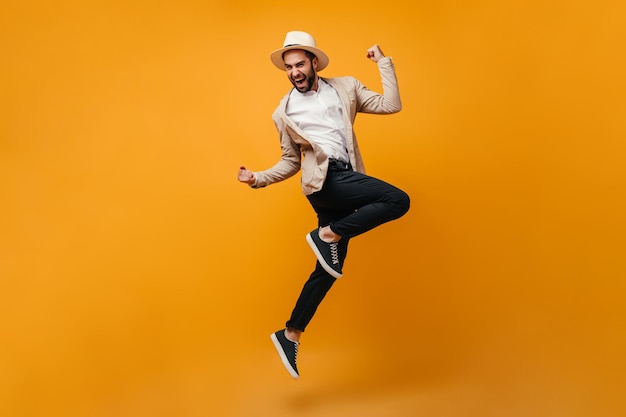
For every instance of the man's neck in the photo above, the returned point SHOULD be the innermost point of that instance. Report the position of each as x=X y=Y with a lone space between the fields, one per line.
x=316 y=84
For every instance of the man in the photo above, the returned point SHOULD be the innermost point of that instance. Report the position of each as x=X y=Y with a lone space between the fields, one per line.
x=315 y=122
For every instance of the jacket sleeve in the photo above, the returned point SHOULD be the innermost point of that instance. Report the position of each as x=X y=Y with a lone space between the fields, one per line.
x=286 y=167
x=386 y=103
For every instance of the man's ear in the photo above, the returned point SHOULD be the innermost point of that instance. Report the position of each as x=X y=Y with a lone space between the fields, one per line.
x=314 y=63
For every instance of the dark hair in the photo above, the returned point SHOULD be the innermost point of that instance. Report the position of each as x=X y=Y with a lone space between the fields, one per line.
x=309 y=54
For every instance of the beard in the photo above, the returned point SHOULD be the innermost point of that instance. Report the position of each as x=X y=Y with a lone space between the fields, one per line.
x=309 y=79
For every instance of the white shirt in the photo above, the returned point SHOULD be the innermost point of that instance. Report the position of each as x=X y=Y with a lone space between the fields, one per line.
x=319 y=114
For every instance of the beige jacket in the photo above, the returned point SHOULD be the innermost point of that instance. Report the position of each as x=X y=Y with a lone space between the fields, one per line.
x=300 y=153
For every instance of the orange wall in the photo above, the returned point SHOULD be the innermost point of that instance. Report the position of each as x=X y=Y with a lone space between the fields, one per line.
x=138 y=278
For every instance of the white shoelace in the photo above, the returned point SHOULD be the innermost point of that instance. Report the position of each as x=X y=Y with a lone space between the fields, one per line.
x=334 y=254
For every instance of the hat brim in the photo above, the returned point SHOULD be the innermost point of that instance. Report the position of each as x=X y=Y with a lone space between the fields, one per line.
x=277 y=56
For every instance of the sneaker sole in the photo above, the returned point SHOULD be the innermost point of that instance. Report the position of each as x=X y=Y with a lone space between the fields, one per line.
x=283 y=357
x=320 y=258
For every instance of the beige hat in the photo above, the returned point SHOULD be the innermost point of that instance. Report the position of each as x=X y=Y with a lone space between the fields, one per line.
x=299 y=40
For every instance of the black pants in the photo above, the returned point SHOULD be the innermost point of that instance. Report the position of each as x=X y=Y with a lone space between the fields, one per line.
x=350 y=203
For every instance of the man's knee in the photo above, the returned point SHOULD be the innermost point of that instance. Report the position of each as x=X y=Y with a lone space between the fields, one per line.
x=402 y=203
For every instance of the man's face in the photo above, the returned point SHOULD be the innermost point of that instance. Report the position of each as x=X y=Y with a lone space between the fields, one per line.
x=301 y=70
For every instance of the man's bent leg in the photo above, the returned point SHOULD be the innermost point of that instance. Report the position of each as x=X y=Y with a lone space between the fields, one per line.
x=366 y=201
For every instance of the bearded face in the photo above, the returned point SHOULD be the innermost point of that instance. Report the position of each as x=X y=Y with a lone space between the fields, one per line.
x=301 y=70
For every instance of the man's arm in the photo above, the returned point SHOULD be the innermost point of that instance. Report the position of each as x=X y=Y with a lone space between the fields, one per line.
x=287 y=166
x=388 y=102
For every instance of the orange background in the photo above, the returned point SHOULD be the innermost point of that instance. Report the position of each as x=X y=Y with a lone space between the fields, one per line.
x=138 y=278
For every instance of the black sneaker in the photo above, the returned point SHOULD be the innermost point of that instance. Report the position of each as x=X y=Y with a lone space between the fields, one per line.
x=327 y=253
x=287 y=350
